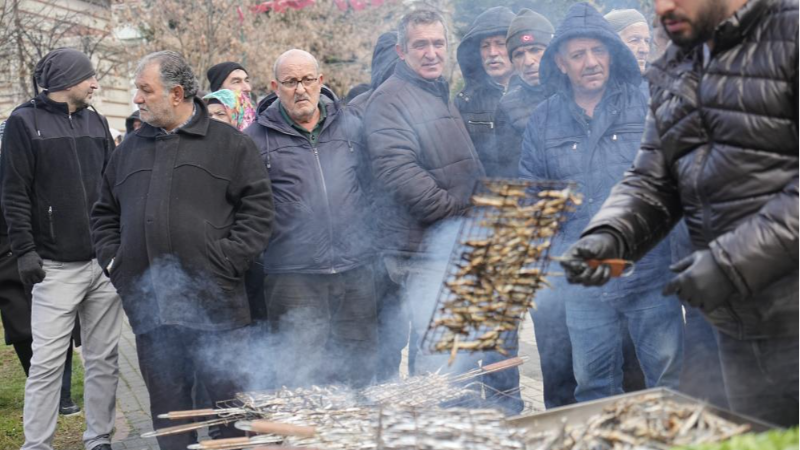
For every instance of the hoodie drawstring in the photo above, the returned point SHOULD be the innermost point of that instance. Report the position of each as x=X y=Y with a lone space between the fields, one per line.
x=266 y=142
x=35 y=119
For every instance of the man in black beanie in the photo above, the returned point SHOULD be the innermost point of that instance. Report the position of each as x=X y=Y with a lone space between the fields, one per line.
x=54 y=151
x=528 y=37
x=229 y=75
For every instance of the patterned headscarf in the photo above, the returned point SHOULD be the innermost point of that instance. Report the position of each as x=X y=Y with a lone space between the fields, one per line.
x=243 y=111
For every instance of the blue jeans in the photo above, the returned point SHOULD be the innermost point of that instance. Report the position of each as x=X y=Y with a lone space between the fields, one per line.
x=553 y=343
x=595 y=329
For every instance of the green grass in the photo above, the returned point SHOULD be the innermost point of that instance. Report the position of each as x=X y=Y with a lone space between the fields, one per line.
x=12 y=394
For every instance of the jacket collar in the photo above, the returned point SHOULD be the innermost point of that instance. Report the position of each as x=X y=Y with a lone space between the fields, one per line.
x=437 y=87
x=198 y=126
x=48 y=104
x=733 y=30
x=269 y=112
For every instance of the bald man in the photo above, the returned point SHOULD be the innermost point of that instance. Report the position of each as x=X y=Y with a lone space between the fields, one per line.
x=319 y=285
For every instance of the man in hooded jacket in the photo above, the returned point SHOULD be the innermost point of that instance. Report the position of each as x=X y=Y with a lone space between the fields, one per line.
x=487 y=71
x=720 y=150
x=588 y=133
x=528 y=37
x=55 y=149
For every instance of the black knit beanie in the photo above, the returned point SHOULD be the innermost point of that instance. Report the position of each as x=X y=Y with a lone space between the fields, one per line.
x=217 y=74
x=62 y=68
x=528 y=28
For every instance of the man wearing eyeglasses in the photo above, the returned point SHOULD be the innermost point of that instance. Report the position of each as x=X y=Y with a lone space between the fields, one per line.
x=319 y=285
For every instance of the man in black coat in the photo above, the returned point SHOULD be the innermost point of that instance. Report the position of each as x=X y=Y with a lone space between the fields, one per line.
x=487 y=71
x=720 y=149
x=55 y=148
x=185 y=207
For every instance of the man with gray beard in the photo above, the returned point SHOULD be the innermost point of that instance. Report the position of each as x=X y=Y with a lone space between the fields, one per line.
x=185 y=206
x=55 y=148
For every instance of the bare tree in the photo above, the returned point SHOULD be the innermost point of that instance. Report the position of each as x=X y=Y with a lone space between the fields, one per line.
x=211 y=31
x=32 y=29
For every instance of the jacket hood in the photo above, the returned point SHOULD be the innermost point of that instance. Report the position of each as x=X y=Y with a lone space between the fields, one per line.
x=129 y=121
x=492 y=22
x=266 y=116
x=384 y=58
x=584 y=21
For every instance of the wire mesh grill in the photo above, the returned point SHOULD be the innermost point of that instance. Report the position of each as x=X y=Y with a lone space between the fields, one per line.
x=498 y=263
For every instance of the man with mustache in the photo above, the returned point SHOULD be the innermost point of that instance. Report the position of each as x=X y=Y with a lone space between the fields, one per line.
x=487 y=71
x=185 y=206
x=319 y=285
x=528 y=37
x=55 y=148
x=720 y=150
x=424 y=166
x=632 y=28
x=589 y=133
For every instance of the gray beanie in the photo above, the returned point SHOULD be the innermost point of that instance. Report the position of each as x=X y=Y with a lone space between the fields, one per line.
x=62 y=68
x=527 y=28
x=623 y=18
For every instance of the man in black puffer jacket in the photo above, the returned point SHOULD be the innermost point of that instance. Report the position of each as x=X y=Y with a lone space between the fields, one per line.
x=319 y=284
x=720 y=149
x=487 y=71
x=423 y=162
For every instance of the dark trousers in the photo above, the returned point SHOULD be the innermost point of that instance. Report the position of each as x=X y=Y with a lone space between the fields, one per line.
x=701 y=375
x=393 y=325
x=171 y=356
x=24 y=353
x=761 y=377
x=323 y=327
x=555 y=351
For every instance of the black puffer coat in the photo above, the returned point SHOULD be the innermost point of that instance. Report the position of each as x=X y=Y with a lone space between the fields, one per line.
x=721 y=148
x=512 y=116
x=423 y=162
x=478 y=101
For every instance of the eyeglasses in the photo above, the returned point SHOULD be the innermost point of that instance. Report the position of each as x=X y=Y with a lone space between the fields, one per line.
x=292 y=83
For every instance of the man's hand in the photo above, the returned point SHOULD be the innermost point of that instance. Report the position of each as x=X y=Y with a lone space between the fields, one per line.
x=700 y=282
x=594 y=246
x=30 y=268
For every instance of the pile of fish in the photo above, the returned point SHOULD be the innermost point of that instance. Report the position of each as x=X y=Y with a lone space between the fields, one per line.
x=649 y=422
x=498 y=266
x=335 y=410
x=401 y=428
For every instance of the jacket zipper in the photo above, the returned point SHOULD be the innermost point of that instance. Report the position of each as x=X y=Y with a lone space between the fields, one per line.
x=50 y=220
x=327 y=206
x=700 y=164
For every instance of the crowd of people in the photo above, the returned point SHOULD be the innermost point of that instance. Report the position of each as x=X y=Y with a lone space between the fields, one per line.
x=302 y=239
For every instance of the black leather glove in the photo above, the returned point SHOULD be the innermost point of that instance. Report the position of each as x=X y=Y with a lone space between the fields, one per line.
x=594 y=246
x=30 y=268
x=700 y=282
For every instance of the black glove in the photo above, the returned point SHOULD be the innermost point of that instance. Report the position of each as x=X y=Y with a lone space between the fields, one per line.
x=594 y=246
x=30 y=268
x=700 y=282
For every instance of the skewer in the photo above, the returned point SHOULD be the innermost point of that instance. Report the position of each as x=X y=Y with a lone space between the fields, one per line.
x=175 y=415
x=177 y=429
x=281 y=429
